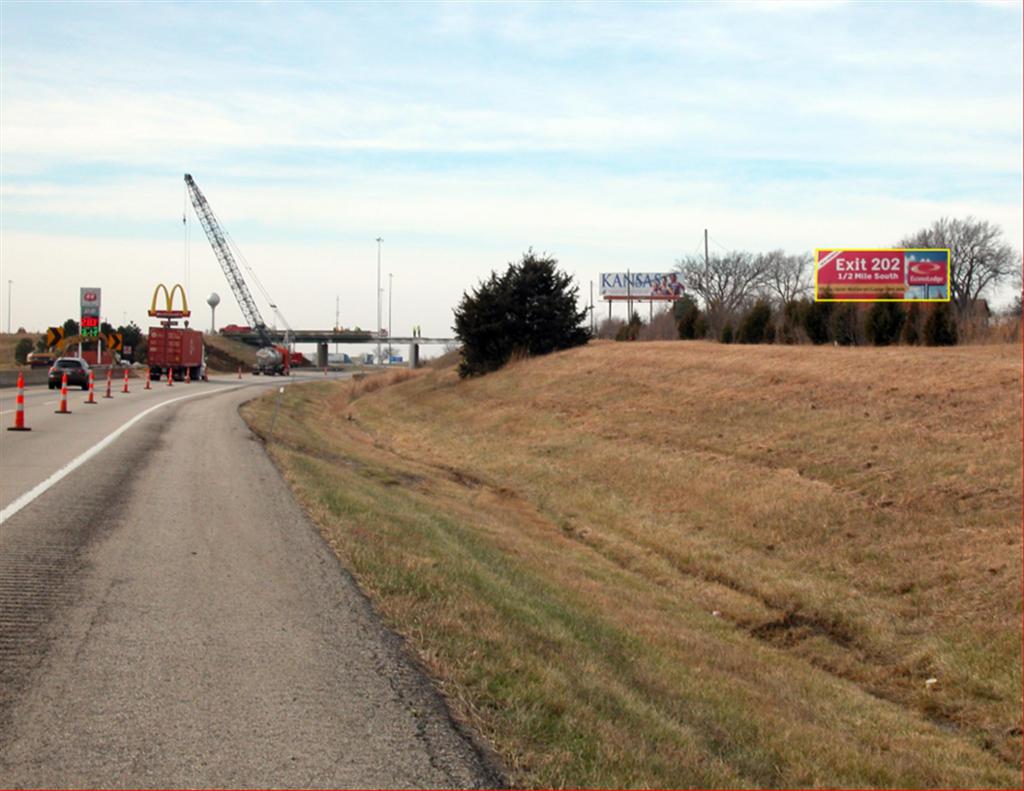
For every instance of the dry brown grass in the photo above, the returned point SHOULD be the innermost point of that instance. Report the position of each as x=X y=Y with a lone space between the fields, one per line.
x=373 y=382
x=449 y=359
x=998 y=329
x=687 y=564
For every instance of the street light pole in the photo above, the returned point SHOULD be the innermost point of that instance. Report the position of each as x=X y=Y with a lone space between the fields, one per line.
x=379 y=240
x=9 y=284
x=390 y=325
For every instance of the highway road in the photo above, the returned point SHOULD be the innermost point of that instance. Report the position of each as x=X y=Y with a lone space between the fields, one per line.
x=169 y=617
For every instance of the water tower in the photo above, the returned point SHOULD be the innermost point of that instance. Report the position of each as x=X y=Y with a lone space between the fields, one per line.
x=213 y=301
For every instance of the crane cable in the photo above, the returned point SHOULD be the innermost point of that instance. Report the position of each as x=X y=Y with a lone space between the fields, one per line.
x=184 y=222
x=237 y=251
x=255 y=278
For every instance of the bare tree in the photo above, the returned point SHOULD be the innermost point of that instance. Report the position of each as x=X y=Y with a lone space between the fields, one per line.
x=725 y=283
x=979 y=258
x=786 y=277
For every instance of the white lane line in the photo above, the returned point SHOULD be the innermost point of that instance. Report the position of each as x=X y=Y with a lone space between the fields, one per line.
x=9 y=411
x=39 y=489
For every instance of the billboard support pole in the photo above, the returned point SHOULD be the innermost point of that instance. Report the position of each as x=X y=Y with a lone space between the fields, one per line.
x=629 y=296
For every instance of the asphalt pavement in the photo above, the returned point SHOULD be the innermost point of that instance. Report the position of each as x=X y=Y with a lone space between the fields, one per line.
x=169 y=617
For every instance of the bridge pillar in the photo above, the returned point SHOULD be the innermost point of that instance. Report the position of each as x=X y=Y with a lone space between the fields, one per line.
x=414 y=355
x=321 y=355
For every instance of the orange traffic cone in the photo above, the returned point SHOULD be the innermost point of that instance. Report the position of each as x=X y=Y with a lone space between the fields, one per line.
x=125 y=390
x=170 y=378
x=92 y=388
x=63 y=397
x=188 y=376
x=110 y=383
x=19 y=415
x=147 y=380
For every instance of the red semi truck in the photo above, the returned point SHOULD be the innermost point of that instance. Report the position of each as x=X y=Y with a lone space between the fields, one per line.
x=176 y=349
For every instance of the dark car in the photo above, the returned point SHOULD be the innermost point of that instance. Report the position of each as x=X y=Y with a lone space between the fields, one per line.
x=76 y=368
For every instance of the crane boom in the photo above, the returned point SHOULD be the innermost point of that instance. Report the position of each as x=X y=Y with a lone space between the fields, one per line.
x=227 y=260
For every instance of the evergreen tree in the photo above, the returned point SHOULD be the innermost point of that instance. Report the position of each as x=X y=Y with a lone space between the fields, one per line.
x=843 y=324
x=940 y=327
x=816 y=318
x=687 y=314
x=755 y=323
x=22 y=350
x=884 y=322
x=530 y=309
x=631 y=330
x=911 y=335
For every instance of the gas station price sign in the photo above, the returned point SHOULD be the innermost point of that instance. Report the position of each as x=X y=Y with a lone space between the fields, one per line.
x=90 y=316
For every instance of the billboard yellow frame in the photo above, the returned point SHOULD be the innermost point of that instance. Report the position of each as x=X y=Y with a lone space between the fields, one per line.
x=949 y=278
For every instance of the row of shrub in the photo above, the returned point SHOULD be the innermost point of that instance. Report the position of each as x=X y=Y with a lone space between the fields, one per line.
x=807 y=321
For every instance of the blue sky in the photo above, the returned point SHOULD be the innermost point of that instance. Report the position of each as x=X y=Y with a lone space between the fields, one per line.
x=609 y=135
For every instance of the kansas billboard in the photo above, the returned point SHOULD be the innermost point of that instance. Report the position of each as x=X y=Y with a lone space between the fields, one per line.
x=641 y=286
x=900 y=275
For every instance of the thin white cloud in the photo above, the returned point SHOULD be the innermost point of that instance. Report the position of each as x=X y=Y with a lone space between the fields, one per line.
x=470 y=131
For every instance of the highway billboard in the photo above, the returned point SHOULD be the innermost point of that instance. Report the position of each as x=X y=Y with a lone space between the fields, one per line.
x=888 y=275
x=643 y=286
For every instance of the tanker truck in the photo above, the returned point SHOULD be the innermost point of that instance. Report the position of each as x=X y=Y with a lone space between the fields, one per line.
x=272 y=361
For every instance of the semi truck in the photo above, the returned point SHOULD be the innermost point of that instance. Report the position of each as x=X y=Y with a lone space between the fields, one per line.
x=177 y=350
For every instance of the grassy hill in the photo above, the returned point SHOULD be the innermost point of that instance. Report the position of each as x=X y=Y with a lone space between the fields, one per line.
x=688 y=564
x=226 y=354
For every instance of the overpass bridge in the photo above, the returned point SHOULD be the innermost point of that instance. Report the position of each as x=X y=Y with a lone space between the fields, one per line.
x=332 y=336
x=324 y=337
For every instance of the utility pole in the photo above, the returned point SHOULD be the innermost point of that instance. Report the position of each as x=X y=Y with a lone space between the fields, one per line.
x=379 y=240
x=337 y=317
x=390 y=325
x=9 y=284
x=591 y=307
x=706 y=259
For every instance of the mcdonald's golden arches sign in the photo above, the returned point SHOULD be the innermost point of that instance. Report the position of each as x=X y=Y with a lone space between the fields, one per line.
x=169 y=312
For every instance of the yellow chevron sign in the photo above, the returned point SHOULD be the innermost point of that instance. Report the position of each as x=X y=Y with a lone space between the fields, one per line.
x=54 y=335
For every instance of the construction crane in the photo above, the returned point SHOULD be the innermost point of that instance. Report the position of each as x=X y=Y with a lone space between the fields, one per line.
x=271 y=358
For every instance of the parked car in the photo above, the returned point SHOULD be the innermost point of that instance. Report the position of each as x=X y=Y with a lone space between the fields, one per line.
x=39 y=359
x=76 y=368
